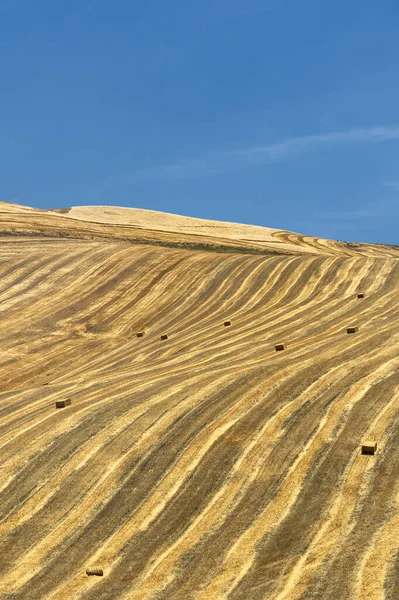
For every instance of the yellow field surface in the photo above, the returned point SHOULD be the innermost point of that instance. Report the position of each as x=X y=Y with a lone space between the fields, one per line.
x=207 y=465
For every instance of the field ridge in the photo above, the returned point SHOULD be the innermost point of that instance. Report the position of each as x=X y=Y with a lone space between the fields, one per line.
x=207 y=465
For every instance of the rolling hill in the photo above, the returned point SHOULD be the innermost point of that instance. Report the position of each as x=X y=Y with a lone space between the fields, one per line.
x=206 y=465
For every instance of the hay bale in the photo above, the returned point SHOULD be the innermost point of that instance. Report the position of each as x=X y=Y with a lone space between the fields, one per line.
x=352 y=329
x=360 y=295
x=95 y=571
x=164 y=337
x=63 y=403
x=369 y=447
x=279 y=347
x=140 y=334
x=227 y=323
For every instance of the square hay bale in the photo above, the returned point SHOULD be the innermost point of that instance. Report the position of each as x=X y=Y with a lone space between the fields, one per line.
x=164 y=337
x=62 y=403
x=140 y=334
x=227 y=323
x=360 y=295
x=279 y=347
x=352 y=329
x=369 y=447
x=95 y=571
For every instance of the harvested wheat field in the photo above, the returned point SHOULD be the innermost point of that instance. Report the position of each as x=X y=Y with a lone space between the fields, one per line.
x=205 y=465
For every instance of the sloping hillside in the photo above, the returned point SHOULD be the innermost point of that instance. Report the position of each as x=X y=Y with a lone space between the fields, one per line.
x=207 y=465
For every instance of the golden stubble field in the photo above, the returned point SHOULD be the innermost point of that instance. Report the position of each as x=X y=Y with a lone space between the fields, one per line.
x=207 y=465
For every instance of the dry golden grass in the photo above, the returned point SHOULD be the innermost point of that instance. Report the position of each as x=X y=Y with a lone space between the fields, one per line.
x=205 y=466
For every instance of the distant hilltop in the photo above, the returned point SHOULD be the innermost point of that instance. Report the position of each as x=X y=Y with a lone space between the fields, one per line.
x=148 y=226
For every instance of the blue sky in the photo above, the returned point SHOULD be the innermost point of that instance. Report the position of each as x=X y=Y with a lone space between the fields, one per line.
x=272 y=112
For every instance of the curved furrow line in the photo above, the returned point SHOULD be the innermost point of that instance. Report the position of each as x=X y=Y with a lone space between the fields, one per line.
x=134 y=488
x=98 y=397
x=110 y=496
x=145 y=422
x=336 y=529
x=208 y=466
x=39 y=307
x=376 y=507
x=85 y=281
x=306 y=338
x=377 y=576
x=343 y=341
x=363 y=504
x=202 y=337
x=249 y=514
x=28 y=278
x=261 y=577
x=12 y=266
x=158 y=293
x=143 y=308
x=206 y=303
x=96 y=363
x=123 y=296
x=51 y=267
x=241 y=481
x=182 y=293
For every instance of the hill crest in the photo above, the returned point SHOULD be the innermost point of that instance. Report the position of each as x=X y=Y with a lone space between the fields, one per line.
x=147 y=226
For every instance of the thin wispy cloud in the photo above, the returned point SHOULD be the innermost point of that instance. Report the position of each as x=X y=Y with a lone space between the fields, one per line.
x=392 y=184
x=284 y=149
x=280 y=149
x=380 y=211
